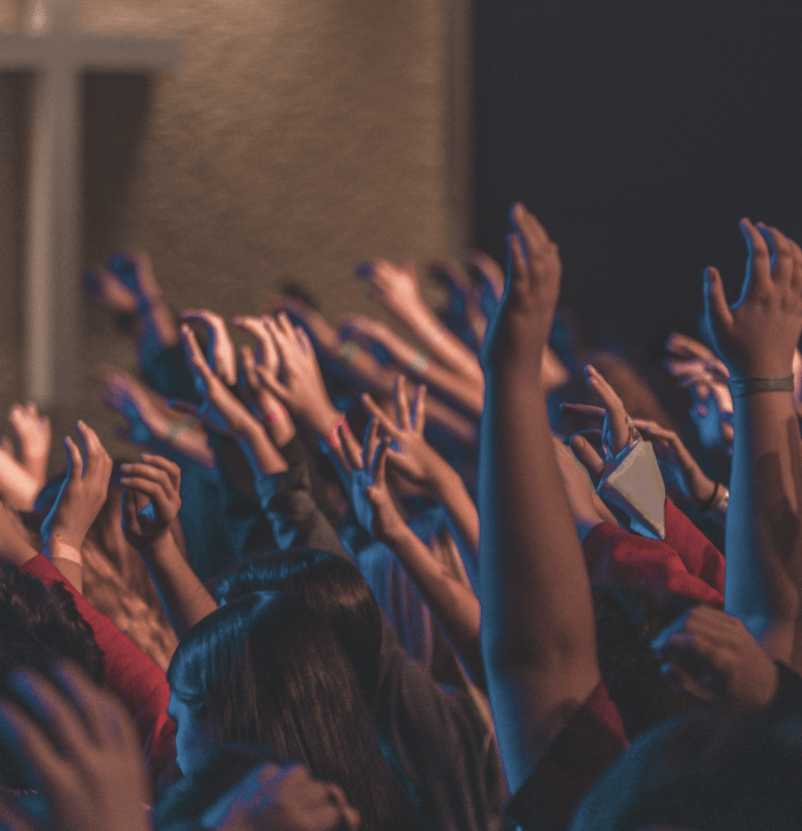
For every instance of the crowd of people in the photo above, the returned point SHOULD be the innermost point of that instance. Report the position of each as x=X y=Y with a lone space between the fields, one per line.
x=482 y=577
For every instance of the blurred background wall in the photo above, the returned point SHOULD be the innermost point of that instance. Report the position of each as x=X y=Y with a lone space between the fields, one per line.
x=294 y=140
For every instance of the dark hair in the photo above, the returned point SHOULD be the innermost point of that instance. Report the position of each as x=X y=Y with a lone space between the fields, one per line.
x=628 y=617
x=267 y=670
x=38 y=624
x=712 y=772
x=333 y=587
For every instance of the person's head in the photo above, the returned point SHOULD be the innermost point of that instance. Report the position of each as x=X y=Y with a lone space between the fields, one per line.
x=266 y=670
x=628 y=618
x=705 y=772
x=38 y=624
x=333 y=587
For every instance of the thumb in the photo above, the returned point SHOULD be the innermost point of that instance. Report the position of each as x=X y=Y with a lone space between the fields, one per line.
x=717 y=311
x=586 y=454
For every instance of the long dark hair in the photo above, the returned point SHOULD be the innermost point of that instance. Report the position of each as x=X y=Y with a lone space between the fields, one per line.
x=268 y=671
x=333 y=587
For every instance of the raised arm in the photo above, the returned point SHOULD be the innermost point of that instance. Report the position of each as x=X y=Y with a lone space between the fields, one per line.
x=538 y=633
x=466 y=393
x=396 y=287
x=413 y=456
x=151 y=503
x=78 y=503
x=450 y=599
x=756 y=338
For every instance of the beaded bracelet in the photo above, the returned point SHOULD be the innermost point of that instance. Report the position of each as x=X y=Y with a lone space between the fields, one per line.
x=740 y=387
x=188 y=422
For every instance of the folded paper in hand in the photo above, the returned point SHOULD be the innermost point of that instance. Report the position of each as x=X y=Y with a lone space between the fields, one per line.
x=633 y=483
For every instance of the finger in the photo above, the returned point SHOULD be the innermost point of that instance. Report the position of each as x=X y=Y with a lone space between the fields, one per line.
x=75 y=460
x=373 y=408
x=273 y=385
x=588 y=411
x=717 y=312
x=102 y=715
x=97 y=459
x=664 y=635
x=517 y=260
x=591 y=460
x=419 y=409
x=617 y=415
x=195 y=358
x=681 y=679
x=783 y=259
x=285 y=325
x=378 y=468
x=758 y=263
x=687 y=347
x=371 y=442
x=25 y=741
x=140 y=484
x=401 y=403
x=350 y=446
x=303 y=340
x=150 y=472
x=796 y=277
x=49 y=709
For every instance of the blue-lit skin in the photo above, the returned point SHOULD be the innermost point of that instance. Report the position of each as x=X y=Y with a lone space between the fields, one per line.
x=194 y=737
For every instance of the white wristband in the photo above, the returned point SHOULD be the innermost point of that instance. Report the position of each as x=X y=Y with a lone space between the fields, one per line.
x=56 y=548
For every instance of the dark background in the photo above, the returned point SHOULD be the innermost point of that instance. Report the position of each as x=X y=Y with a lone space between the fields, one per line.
x=639 y=133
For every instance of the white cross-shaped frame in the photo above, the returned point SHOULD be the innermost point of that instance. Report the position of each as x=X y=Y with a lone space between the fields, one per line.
x=51 y=45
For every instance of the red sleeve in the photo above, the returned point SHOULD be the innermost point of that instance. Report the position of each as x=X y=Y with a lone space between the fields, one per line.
x=701 y=557
x=589 y=744
x=614 y=554
x=130 y=673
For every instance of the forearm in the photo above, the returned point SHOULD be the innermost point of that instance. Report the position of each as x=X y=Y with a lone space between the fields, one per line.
x=463 y=517
x=184 y=597
x=453 y=603
x=17 y=486
x=263 y=456
x=763 y=540
x=466 y=392
x=532 y=571
x=68 y=561
x=438 y=341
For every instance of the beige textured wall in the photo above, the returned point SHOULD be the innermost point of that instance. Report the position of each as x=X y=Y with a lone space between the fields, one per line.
x=296 y=138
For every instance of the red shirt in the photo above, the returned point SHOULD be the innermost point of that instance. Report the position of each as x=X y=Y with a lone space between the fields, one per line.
x=685 y=562
x=586 y=747
x=131 y=674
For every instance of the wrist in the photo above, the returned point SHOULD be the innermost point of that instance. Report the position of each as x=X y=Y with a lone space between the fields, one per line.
x=58 y=547
x=155 y=546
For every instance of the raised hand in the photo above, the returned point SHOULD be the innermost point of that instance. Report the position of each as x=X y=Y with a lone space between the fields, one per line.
x=81 y=751
x=33 y=437
x=282 y=799
x=409 y=452
x=683 y=477
x=223 y=412
x=219 y=409
x=394 y=286
x=135 y=403
x=220 y=353
x=520 y=330
x=370 y=495
x=616 y=426
x=300 y=384
x=771 y=302
x=151 y=500
x=83 y=493
x=712 y=656
x=698 y=369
